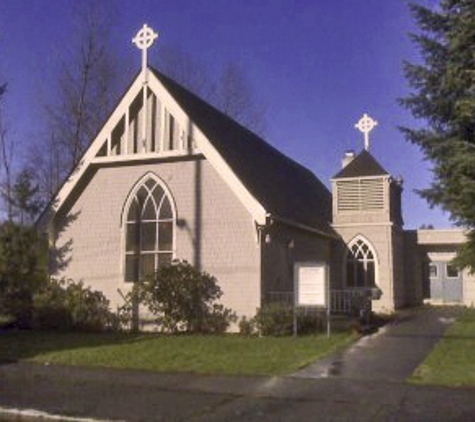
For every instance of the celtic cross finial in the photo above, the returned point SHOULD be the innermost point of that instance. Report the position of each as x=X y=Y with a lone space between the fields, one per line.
x=365 y=125
x=144 y=40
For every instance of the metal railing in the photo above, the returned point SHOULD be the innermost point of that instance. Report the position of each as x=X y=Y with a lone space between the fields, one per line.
x=342 y=301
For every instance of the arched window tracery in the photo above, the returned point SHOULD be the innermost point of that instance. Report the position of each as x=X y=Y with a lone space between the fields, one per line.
x=149 y=230
x=360 y=265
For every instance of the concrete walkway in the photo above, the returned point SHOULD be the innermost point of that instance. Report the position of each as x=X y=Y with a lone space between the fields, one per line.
x=392 y=353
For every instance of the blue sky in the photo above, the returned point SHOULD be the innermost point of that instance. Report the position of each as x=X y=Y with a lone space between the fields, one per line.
x=318 y=65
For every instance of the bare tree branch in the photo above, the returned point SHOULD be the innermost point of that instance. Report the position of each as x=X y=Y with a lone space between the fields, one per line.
x=6 y=158
x=231 y=92
x=85 y=92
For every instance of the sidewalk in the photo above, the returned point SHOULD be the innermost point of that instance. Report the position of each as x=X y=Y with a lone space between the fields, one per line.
x=392 y=353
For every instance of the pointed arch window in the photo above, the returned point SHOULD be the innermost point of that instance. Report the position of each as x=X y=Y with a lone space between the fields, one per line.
x=149 y=230
x=360 y=265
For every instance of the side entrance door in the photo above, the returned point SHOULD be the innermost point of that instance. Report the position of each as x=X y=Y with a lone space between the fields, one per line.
x=446 y=284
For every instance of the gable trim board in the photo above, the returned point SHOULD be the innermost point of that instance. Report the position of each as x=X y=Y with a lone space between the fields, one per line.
x=383 y=224
x=89 y=157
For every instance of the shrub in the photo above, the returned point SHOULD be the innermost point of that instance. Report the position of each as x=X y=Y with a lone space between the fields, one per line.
x=181 y=298
x=277 y=319
x=310 y=321
x=274 y=319
x=64 y=304
x=247 y=327
x=50 y=307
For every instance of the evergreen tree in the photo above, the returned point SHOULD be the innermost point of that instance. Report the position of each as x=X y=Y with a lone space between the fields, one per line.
x=443 y=96
x=21 y=272
x=25 y=198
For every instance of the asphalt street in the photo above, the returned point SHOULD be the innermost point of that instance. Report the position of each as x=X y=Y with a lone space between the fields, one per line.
x=141 y=396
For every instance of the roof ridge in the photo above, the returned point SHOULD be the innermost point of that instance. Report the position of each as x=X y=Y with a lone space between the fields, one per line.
x=160 y=74
x=280 y=184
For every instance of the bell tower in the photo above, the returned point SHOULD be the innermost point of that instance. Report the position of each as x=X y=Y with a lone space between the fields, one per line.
x=367 y=215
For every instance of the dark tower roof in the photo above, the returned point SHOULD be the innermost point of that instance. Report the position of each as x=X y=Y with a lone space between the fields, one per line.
x=363 y=165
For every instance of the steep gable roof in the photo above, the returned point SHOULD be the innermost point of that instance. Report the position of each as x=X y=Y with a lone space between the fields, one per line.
x=282 y=186
x=363 y=165
x=279 y=186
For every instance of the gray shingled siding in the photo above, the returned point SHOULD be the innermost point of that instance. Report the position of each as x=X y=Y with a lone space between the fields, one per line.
x=401 y=289
x=288 y=245
x=413 y=270
x=228 y=247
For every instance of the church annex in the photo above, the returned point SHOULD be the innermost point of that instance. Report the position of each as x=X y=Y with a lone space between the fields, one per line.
x=170 y=177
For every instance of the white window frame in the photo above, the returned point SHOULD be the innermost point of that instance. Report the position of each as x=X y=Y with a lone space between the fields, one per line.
x=447 y=264
x=125 y=210
x=375 y=260
x=433 y=264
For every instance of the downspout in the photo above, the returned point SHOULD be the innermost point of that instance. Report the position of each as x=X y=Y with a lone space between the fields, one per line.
x=260 y=228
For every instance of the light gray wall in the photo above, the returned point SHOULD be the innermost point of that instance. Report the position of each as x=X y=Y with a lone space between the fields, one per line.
x=402 y=291
x=228 y=243
x=413 y=271
x=287 y=246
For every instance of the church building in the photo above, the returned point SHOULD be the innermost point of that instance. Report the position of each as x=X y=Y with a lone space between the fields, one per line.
x=170 y=177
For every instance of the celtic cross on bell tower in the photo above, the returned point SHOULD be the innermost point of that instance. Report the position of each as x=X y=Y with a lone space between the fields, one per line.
x=144 y=40
x=365 y=125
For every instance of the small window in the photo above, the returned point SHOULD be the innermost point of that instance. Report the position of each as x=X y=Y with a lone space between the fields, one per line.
x=433 y=271
x=452 y=271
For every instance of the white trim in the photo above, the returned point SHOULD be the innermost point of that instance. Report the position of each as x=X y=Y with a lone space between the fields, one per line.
x=144 y=135
x=169 y=104
x=137 y=185
x=337 y=225
x=433 y=264
x=459 y=273
x=126 y=130
x=142 y=157
x=323 y=285
x=381 y=176
x=123 y=218
x=96 y=145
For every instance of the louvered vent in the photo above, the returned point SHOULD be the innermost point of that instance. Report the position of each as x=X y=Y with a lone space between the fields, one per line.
x=360 y=195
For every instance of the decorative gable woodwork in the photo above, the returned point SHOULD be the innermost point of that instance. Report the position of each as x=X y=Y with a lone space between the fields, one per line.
x=143 y=131
x=169 y=132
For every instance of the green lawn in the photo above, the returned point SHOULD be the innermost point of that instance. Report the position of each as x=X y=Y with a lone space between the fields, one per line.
x=228 y=354
x=452 y=362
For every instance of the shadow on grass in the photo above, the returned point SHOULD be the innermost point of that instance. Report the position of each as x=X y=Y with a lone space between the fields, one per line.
x=17 y=345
